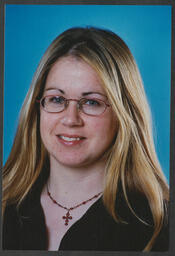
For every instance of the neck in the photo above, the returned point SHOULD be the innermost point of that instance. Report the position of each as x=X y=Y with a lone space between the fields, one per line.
x=68 y=183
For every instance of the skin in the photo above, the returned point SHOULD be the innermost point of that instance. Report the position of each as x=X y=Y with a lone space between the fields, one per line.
x=75 y=77
x=74 y=166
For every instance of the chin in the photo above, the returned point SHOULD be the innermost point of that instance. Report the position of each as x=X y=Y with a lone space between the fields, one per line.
x=73 y=162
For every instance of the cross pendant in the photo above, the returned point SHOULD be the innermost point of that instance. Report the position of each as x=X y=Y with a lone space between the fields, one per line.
x=67 y=217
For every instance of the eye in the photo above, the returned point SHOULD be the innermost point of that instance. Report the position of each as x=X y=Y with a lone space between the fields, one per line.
x=55 y=100
x=92 y=102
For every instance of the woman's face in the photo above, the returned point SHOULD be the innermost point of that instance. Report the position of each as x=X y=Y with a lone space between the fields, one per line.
x=71 y=137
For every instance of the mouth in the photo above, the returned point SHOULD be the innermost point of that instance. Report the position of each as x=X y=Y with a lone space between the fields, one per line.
x=70 y=139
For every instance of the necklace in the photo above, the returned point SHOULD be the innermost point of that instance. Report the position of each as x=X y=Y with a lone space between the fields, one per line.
x=67 y=216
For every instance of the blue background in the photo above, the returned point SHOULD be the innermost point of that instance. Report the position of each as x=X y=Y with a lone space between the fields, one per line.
x=29 y=29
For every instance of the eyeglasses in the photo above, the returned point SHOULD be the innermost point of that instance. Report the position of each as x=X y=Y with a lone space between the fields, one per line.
x=56 y=104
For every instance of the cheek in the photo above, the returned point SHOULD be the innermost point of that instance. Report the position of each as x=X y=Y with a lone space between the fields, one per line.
x=105 y=129
x=46 y=125
x=43 y=132
x=43 y=124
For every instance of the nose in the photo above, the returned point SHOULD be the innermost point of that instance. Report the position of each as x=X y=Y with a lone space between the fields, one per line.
x=71 y=116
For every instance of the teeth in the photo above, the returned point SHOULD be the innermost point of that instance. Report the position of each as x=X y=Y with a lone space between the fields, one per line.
x=69 y=139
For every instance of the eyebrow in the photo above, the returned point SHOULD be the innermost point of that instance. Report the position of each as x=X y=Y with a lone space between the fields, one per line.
x=57 y=89
x=88 y=93
x=83 y=94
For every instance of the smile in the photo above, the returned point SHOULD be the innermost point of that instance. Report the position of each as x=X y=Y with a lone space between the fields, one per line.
x=69 y=139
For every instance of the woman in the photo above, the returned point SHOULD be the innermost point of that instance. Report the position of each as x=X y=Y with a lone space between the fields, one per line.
x=83 y=172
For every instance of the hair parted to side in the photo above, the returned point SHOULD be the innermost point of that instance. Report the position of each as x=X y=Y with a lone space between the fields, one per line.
x=132 y=160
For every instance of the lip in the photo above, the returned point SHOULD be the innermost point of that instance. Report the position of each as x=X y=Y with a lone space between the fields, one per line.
x=76 y=139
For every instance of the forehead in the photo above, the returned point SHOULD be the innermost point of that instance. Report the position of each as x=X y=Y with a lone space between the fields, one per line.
x=70 y=73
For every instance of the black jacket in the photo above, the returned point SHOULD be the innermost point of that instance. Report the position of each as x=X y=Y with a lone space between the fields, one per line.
x=96 y=230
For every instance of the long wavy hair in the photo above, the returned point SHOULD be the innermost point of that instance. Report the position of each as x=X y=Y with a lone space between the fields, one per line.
x=132 y=160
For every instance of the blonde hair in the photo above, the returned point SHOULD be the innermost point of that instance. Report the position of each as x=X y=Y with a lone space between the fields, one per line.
x=132 y=160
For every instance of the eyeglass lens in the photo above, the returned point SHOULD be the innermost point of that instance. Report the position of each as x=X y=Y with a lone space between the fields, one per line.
x=56 y=104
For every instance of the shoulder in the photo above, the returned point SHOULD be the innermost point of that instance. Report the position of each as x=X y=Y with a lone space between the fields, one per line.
x=134 y=211
x=137 y=227
x=20 y=222
x=11 y=228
